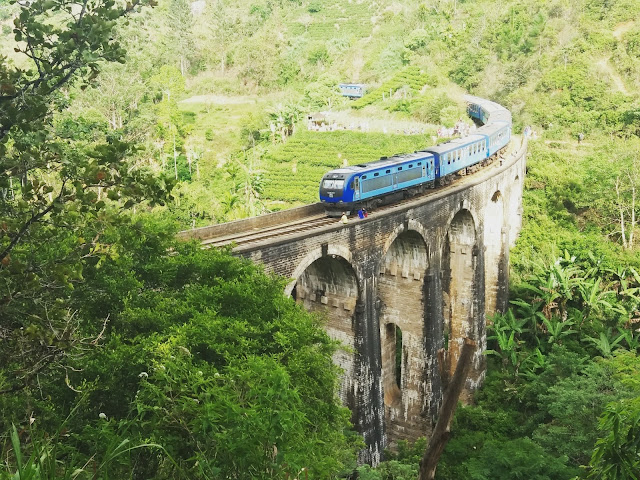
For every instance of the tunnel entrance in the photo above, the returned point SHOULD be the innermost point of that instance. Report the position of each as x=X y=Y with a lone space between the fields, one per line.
x=401 y=292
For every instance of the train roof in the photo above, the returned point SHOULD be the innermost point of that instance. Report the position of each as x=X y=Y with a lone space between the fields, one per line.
x=500 y=116
x=455 y=144
x=383 y=162
x=487 y=105
x=491 y=128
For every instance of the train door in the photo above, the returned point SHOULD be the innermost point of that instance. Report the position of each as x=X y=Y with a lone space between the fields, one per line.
x=395 y=181
x=356 y=188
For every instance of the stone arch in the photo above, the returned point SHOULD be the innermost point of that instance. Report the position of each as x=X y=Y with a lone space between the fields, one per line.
x=329 y=285
x=460 y=284
x=312 y=256
x=402 y=330
x=494 y=234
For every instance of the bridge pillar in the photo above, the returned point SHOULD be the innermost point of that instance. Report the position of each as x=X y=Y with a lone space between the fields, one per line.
x=402 y=332
x=463 y=294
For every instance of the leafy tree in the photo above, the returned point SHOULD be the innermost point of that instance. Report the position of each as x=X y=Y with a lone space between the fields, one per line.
x=238 y=380
x=181 y=21
x=168 y=85
x=59 y=176
x=617 y=453
x=617 y=202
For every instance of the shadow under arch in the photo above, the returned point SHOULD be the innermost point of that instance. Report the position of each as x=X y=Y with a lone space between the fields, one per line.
x=328 y=285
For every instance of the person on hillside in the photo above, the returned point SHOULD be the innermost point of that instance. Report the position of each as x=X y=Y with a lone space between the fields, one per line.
x=344 y=219
x=364 y=213
x=361 y=213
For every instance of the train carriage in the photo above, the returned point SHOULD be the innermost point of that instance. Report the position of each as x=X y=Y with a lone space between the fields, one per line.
x=498 y=135
x=390 y=179
x=458 y=154
x=350 y=188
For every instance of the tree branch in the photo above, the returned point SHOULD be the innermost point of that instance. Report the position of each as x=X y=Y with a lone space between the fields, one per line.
x=35 y=218
x=442 y=433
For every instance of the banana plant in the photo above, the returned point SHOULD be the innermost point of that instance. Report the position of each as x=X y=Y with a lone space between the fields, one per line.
x=632 y=340
x=534 y=363
x=605 y=343
x=557 y=330
x=508 y=347
x=532 y=315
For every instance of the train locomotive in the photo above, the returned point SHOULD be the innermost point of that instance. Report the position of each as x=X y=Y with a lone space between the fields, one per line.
x=390 y=179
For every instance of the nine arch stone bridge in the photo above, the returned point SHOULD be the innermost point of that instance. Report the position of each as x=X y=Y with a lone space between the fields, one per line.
x=396 y=287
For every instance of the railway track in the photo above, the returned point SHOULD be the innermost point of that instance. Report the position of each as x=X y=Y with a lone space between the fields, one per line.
x=259 y=235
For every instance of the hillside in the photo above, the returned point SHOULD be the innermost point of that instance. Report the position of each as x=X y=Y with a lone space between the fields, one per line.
x=128 y=354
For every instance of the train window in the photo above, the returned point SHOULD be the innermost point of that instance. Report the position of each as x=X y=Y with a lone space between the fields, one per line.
x=364 y=176
x=376 y=174
x=333 y=184
x=399 y=168
x=411 y=165
x=388 y=171
x=419 y=163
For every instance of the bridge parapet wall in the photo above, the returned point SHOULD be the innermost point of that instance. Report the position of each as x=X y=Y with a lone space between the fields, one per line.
x=252 y=223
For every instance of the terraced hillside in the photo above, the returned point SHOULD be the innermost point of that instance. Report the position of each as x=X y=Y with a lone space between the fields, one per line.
x=293 y=170
x=325 y=20
x=411 y=78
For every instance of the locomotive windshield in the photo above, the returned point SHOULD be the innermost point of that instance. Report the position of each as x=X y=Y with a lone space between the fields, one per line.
x=333 y=184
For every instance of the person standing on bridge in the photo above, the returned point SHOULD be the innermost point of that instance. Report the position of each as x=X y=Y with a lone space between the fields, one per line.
x=343 y=218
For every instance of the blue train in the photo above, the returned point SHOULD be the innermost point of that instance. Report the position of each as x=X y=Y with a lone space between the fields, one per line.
x=387 y=180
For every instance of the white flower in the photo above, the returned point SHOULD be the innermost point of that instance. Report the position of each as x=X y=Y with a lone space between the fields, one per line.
x=103 y=415
x=216 y=375
x=200 y=373
x=143 y=375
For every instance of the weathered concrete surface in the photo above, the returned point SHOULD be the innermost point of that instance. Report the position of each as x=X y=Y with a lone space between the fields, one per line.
x=427 y=272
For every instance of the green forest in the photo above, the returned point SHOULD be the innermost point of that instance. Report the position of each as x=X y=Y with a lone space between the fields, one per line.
x=125 y=353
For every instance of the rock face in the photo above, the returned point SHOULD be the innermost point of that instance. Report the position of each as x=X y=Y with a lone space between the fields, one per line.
x=401 y=284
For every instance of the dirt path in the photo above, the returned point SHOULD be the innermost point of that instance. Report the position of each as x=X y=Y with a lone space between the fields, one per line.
x=615 y=78
x=219 y=100
x=622 y=28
